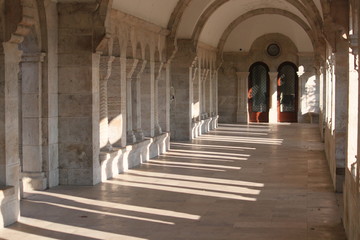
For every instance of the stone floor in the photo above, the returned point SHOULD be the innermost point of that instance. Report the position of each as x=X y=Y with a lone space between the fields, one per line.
x=250 y=182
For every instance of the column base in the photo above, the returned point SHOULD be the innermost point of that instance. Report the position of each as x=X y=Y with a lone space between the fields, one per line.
x=139 y=135
x=241 y=116
x=158 y=130
x=33 y=181
x=130 y=137
x=9 y=206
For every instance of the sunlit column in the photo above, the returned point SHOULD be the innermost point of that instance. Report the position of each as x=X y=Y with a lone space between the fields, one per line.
x=158 y=74
x=216 y=93
x=273 y=111
x=167 y=100
x=242 y=112
x=130 y=69
x=105 y=72
x=123 y=101
x=9 y=129
x=199 y=80
x=193 y=103
x=340 y=120
x=148 y=100
x=136 y=106
x=353 y=122
x=211 y=95
x=322 y=93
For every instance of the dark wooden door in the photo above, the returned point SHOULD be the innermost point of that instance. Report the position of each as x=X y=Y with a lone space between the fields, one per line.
x=258 y=93
x=287 y=89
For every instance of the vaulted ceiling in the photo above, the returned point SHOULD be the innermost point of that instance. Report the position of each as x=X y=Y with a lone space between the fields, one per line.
x=233 y=24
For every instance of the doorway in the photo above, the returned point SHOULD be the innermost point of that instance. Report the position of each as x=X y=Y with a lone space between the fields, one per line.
x=258 y=93
x=287 y=92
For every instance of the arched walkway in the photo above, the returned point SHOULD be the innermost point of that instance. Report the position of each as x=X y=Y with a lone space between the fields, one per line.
x=255 y=181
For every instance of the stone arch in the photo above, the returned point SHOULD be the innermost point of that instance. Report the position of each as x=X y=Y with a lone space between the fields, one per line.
x=313 y=21
x=176 y=16
x=312 y=35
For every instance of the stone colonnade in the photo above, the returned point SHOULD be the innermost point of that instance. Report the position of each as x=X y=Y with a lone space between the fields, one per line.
x=132 y=70
x=194 y=96
x=351 y=172
x=203 y=91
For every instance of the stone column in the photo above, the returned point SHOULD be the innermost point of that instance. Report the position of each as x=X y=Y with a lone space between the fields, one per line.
x=33 y=176
x=200 y=91
x=193 y=106
x=114 y=108
x=180 y=111
x=273 y=111
x=341 y=106
x=148 y=99
x=136 y=99
x=167 y=96
x=130 y=69
x=204 y=75
x=124 y=101
x=242 y=106
x=216 y=93
x=211 y=94
x=158 y=74
x=9 y=133
x=105 y=72
x=79 y=144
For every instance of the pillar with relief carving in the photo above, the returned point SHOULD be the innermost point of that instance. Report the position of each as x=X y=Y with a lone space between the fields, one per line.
x=242 y=109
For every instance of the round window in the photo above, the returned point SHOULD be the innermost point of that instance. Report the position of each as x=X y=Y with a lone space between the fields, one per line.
x=273 y=50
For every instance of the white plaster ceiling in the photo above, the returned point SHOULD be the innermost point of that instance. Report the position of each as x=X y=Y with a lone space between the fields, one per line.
x=248 y=31
x=231 y=10
x=159 y=11
x=154 y=11
x=191 y=16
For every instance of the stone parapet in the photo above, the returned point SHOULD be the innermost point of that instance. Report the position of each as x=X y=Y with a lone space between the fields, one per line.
x=120 y=160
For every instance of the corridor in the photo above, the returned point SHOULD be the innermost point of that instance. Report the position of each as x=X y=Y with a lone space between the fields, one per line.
x=243 y=182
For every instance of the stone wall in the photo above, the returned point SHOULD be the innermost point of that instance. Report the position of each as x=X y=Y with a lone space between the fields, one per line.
x=351 y=217
x=233 y=80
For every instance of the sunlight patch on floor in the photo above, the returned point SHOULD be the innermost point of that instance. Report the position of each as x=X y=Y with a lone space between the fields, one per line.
x=183 y=190
x=121 y=206
x=196 y=178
